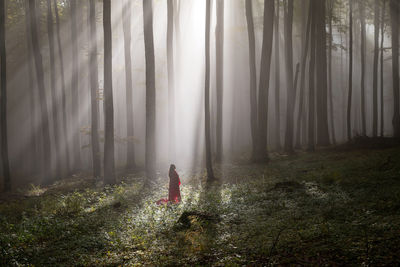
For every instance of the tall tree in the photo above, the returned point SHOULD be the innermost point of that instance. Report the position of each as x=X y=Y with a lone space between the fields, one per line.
x=330 y=44
x=94 y=86
x=171 y=80
x=47 y=159
x=150 y=90
x=350 y=92
x=289 y=76
x=394 y=11
x=130 y=156
x=219 y=50
x=109 y=165
x=64 y=135
x=311 y=97
x=382 y=66
x=277 y=80
x=375 y=71
x=253 y=76
x=3 y=100
x=54 y=95
x=363 y=52
x=210 y=172
x=321 y=72
x=75 y=88
x=262 y=153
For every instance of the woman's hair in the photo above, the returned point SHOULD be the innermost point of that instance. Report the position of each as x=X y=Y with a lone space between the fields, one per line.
x=171 y=169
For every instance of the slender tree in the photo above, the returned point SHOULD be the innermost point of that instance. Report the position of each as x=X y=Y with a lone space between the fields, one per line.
x=150 y=90
x=3 y=100
x=350 y=92
x=47 y=159
x=210 y=172
x=330 y=86
x=219 y=48
x=171 y=80
x=262 y=153
x=394 y=11
x=289 y=76
x=94 y=86
x=311 y=97
x=277 y=80
x=382 y=66
x=130 y=156
x=363 y=52
x=253 y=76
x=64 y=135
x=109 y=165
x=375 y=71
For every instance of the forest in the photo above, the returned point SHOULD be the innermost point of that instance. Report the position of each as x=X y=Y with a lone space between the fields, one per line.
x=199 y=133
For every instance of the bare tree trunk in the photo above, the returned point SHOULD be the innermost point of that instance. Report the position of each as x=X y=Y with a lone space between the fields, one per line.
x=130 y=156
x=363 y=51
x=219 y=37
x=94 y=86
x=350 y=93
x=277 y=81
x=64 y=132
x=210 y=172
x=269 y=11
x=109 y=165
x=47 y=161
x=394 y=11
x=382 y=67
x=171 y=80
x=289 y=76
x=375 y=74
x=311 y=97
x=253 y=76
x=3 y=100
x=150 y=90
x=330 y=87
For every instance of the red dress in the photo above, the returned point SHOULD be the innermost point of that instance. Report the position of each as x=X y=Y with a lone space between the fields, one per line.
x=174 y=194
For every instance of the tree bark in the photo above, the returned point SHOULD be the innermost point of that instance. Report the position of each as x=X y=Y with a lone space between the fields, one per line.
x=350 y=92
x=375 y=74
x=109 y=165
x=150 y=90
x=330 y=86
x=219 y=49
x=253 y=77
x=3 y=100
x=130 y=156
x=171 y=80
x=382 y=67
x=363 y=52
x=394 y=11
x=210 y=172
x=311 y=97
x=277 y=81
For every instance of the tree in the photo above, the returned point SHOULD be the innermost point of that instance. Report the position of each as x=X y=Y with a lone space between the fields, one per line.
x=150 y=90
x=63 y=89
x=311 y=97
x=277 y=81
x=47 y=159
x=394 y=12
x=109 y=165
x=350 y=92
x=210 y=172
x=363 y=51
x=289 y=76
x=94 y=85
x=54 y=95
x=3 y=100
x=219 y=37
x=331 y=6
x=382 y=66
x=253 y=76
x=130 y=156
x=171 y=79
x=75 y=88
x=262 y=153
x=375 y=71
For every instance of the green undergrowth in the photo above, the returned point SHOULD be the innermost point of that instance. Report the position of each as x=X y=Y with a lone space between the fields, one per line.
x=332 y=207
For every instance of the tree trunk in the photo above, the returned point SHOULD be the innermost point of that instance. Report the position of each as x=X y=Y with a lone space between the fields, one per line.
x=3 y=100
x=289 y=76
x=47 y=159
x=219 y=50
x=75 y=89
x=382 y=67
x=311 y=97
x=210 y=172
x=109 y=165
x=253 y=76
x=375 y=74
x=94 y=86
x=64 y=132
x=262 y=153
x=330 y=86
x=54 y=95
x=394 y=11
x=277 y=81
x=321 y=71
x=150 y=90
x=130 y=156
x=350 y=92
x=363 y=51
x=171 y=80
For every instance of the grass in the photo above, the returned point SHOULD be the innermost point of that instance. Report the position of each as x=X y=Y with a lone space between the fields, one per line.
x=333 y=207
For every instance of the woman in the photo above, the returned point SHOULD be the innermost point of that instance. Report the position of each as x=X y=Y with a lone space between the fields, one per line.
x=174 y=183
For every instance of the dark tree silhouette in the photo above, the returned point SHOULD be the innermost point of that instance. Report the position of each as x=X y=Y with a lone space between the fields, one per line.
x=363 y=52
x=311 y=97
x=219 y=48
x=350 y=88
x=382 y=66
x=277 y=81
x=375 y=72
x=330 y=85
x=171 y=80
x=394 y=11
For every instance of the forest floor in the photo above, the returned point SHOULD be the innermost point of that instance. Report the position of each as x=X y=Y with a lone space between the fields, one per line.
x=337 y=206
